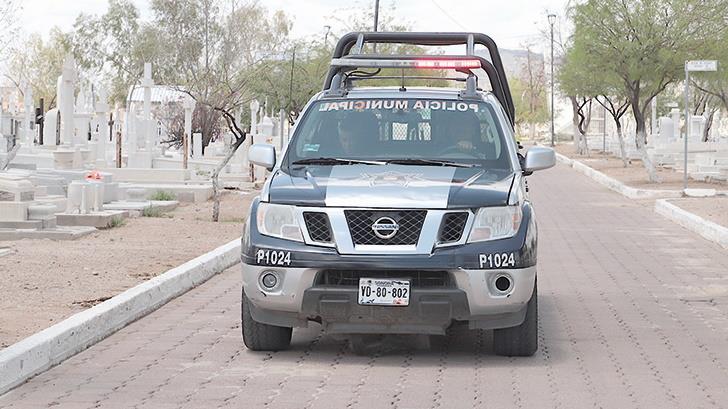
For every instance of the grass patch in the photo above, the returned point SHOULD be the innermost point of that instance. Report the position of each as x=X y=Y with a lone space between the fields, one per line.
x=163 y=195
x=153 y=212
x=116 y=222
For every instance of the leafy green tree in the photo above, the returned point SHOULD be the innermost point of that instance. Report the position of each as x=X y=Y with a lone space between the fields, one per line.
x=716 y=83
x=114 y=46
x=645 y=44
x=575 y=80
x=39 y=64
x=606 y=89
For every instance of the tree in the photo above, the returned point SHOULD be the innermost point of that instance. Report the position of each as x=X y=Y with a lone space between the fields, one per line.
x=616 y=105
x=9 y=26
x=645 y=44
x=216 y=57
x=115 y=46
x=575 y=80
x=529 y=93
x=715 y=83
x=39 y=64
x=606 y=89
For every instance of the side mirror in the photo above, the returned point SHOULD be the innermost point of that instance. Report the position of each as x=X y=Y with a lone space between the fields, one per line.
x=262 y=154
x=538 y=158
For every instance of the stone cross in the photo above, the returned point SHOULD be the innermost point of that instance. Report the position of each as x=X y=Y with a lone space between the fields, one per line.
x=1 y=119
x=65 y=89
x=189 y=106
x=254 y=106
x=282 y=127
x=29 y=115
x=147 y=84
x=102 y=113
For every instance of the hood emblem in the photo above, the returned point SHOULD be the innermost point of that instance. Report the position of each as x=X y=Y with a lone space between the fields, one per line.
x=385 y=228
x=392 y=178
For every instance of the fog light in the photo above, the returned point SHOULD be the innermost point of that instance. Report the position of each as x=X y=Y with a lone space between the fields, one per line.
x=503 y=283
x=269 y=280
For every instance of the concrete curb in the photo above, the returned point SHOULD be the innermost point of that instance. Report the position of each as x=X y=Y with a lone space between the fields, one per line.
x=51 y=346
x=616 y=185
x=709 y=230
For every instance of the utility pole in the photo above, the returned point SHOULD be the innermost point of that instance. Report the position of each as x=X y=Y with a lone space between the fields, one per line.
x=376 y=21
x=290 y=86
x=552 y=20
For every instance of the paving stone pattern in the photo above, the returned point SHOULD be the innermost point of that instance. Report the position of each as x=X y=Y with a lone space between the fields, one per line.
x=634 y=314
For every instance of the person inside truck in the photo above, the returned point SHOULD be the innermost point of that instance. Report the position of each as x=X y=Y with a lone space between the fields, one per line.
x=357 y=132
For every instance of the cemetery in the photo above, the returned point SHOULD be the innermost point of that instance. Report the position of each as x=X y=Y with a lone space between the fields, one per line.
x=86 y=165
x=707 y=158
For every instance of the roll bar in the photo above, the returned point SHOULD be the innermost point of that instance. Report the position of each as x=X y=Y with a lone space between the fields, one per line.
x=350 y=46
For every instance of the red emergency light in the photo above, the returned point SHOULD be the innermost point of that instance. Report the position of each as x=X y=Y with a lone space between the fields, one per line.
x=446 y=64
x=432 y=64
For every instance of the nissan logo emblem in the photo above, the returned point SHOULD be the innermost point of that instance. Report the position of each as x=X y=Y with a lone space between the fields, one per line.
x=385 y=227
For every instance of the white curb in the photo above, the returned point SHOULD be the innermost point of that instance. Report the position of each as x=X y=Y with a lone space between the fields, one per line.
x=709 y=230
x=51 y=346
x=616 y=185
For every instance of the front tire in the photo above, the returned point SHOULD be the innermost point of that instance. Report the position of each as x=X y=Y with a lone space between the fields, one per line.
x=521 y=340
x=262 y=337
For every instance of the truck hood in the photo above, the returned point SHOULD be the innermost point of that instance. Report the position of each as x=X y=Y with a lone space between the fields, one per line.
x=390 y=186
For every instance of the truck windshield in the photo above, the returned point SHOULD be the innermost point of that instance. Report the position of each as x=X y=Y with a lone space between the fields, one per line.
x=404 y=131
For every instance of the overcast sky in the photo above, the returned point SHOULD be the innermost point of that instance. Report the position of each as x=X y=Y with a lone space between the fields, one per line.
x=511 y=23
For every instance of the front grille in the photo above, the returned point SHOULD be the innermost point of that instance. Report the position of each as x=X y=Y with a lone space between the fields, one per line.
x=350 y=278
x=318 y=226
x=453 y=225
x=360 y=226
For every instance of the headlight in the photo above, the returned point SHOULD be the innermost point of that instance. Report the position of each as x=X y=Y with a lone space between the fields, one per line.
x=278 y=221
x=493 y=223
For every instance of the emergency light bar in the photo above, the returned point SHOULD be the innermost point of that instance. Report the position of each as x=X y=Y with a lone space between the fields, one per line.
x=348 y=56
x=439 y=64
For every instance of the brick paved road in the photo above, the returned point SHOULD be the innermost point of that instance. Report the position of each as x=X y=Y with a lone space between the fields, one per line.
x=634 y=314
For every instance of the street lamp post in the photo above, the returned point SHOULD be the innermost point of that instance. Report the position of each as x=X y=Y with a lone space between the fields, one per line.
x=552 y=20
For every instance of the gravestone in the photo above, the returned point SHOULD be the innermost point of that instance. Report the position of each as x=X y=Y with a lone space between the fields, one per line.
x=52 y=128
x=667 y=130
x=197 y=145
x=16 y=195
x=675 y=115
x=697 y=128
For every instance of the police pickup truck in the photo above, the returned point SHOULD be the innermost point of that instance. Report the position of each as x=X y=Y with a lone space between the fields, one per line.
x=397 y=210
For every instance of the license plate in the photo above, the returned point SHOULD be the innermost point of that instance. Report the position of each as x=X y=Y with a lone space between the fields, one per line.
x=384 y=291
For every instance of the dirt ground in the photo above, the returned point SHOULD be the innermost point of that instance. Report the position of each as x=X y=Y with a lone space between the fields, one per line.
x=714 y=208
x=45 y=281
x=635 y=174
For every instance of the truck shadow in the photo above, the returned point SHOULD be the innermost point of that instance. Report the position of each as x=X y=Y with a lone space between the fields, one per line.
x=460 y=346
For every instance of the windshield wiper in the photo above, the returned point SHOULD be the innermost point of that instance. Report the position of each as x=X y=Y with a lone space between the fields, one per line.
x=335 y=161
x=429 y=162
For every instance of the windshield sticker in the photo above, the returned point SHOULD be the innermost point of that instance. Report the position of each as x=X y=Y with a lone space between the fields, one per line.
x=362 y=105
x=311 y=147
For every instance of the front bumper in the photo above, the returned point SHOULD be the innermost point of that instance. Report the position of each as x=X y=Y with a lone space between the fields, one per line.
x=472 y=298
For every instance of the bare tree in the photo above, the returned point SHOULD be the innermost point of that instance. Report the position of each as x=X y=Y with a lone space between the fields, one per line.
x=616 y=108
x=9 y=26
x=219 y=57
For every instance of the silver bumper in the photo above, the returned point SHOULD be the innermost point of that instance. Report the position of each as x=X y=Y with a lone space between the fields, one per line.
x=479 y=286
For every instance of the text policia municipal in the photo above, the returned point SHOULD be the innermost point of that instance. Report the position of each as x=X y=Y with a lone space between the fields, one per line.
x=402 y=104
